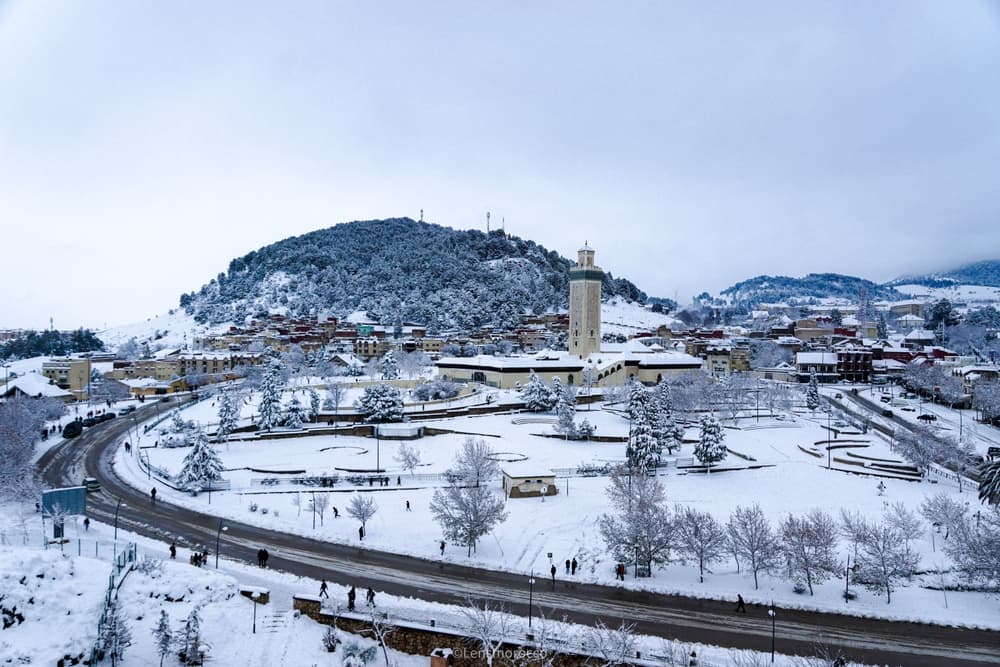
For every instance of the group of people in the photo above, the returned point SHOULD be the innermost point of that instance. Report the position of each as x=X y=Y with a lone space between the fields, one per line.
x=198 y=558
x=571 y=566
x=382 y=481
x=352 y=595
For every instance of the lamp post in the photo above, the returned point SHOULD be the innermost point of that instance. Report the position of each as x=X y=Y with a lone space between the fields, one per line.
x=757 y=395
x=770 y=612
x=378 y=467
x=829 y=413
x=531 y=591
x=253 y=597
x=218 y=534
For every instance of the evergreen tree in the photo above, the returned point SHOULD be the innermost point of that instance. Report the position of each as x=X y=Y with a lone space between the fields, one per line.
x=162 y=635
x=201 y=465
x=270 y=397
x=566 y=411
x=116 y=635
x=190 y=639
x=381 y=403
x=711 y=447
x=881 y=327
x=296 y=414
x=642 y=451
x=313 y=402
x=989 y=483
x=536 y=395
x=390 y=368
x=228 y=416
x=812 y=391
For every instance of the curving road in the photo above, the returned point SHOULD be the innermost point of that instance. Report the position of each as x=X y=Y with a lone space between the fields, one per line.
x=871 y=641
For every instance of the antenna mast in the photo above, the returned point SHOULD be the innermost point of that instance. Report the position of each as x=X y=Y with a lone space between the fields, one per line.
x=487 y=222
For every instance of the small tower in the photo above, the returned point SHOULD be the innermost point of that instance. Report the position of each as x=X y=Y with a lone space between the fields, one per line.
x=585 y=304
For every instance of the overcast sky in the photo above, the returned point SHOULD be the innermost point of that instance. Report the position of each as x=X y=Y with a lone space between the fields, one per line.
x=145 y=145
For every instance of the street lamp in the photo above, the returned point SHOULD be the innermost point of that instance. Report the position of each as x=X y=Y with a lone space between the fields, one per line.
x=531 y=591
x=118 y=506
x=253 y=596
x=218 y=534
x=829 y=413
x=770 y=612
x=757 y=395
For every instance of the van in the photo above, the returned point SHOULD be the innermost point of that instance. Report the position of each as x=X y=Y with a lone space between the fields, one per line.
x=91 y=484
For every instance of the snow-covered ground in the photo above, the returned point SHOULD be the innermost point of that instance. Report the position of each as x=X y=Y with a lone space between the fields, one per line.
x=977 y=294
x=790 y=481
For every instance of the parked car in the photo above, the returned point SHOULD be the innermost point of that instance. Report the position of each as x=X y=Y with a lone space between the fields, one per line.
x=90 y=421
x=107 y=416
x=72 y=429
x=927 y=417
x=887 y=413
x=908 y=408
x=885 y=399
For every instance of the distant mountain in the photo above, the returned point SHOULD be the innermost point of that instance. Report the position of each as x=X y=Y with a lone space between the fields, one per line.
x=772 y=289
x=396 y=270
x=978 y=273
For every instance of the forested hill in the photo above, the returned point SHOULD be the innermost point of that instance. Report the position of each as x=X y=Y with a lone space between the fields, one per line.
x=396 y=270
x=772 y=289
x=979 y=273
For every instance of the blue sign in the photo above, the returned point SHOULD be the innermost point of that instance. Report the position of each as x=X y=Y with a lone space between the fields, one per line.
x=64 y=502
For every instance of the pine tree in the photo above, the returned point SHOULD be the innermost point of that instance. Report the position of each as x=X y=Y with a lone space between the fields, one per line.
x=812 y=391
x=390 y=368
x=201 y=465
x=270 y=397
x=881 y=328
x=536 y=395
x=190 y=641
x=711 y=447
x=641 y=451
x=989 y=483
x=566 y=410
x=116 y=635
x=313 y=402
x=381 y=403
x=162 y=635
x=228 y=416
x=295 y=415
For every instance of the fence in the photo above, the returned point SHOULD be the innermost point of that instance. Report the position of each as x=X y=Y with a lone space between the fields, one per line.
x=123 y=564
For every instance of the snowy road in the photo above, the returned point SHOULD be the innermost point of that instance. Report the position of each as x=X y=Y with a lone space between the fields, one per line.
x=683 y=618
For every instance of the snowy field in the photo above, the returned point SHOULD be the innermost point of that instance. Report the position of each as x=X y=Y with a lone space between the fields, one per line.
x=790 y=481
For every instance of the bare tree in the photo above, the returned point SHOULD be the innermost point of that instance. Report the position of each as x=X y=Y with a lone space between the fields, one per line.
x=380 y=626
x=884 y=558
x=21 y=421
x=941 y=509
x=611 y=646
x=474 y=463
x=752 y=538
x=362 y=507
x=488 y=626
x=318 y=505
x=975 y=549
x=640 y=525
x=698 y=536
x=809 y=545
x=412 y=363
x=408 y=457
x=466 y=513
x=905 y=521
x=853 y=527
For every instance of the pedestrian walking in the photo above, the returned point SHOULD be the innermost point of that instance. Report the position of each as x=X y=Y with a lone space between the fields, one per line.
x=86 y=523
x=322 y=589
x=573 y=566
x=740 y=606
x=553 y=571
x=442 y=547
x=152 y=495
x=351 y=596
x=361 y=532
x=262 y=557
x=370 y=597
x=407 y=505
x=399 y=480
x=336 y=513
x=567 y=566
x=173 y=551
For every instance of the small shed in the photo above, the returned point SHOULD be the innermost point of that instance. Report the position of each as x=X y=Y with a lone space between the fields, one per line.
x=524 y=479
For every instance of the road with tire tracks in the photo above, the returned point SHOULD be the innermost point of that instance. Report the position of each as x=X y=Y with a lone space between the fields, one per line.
x=688 y=619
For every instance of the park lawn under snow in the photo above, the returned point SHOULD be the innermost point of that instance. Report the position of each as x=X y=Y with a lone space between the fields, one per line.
x=792 y=482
